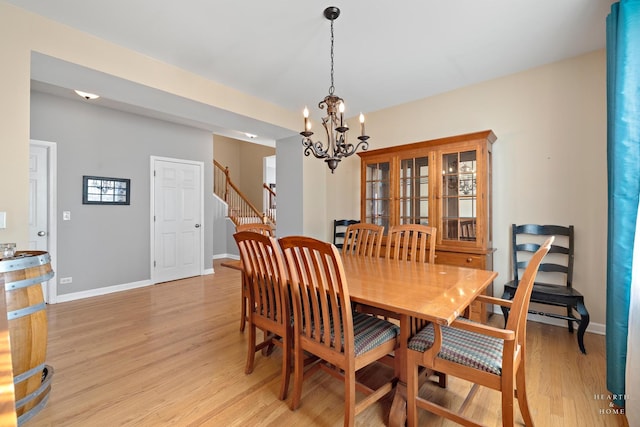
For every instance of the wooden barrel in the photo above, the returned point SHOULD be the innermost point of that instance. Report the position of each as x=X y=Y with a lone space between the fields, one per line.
x=26 y=312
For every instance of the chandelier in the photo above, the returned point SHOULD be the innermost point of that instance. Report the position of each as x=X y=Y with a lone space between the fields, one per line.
x=334 y=125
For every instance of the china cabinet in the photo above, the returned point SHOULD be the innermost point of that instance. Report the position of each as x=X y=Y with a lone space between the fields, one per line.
x=445 y=183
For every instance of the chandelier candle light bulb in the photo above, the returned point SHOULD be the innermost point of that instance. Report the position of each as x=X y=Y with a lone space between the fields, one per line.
x=337 y=146
x=307 y=125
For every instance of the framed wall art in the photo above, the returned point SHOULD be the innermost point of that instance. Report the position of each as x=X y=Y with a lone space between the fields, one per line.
x=99 y=190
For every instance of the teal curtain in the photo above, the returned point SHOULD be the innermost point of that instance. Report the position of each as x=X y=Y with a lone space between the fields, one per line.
x=623 y=170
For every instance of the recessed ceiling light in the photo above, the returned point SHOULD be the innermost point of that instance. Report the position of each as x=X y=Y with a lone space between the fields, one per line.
x=87 y=95
x=250 y=135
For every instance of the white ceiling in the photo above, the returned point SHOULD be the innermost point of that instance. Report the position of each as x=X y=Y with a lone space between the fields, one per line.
x=384 y=54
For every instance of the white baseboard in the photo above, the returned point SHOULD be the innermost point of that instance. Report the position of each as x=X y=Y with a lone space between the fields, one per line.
x=111 y=289
x=102 y=291
x=222 y=256
x=594 y=328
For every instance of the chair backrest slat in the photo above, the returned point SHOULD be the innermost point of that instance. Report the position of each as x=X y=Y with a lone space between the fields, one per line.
x=363 y=239
x=256 y=227
x=263 y=266
x=412 y=242
x=319 y=288
x=526 y=240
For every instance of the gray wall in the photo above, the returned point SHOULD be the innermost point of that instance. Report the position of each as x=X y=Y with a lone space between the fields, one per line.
x=289 y=176
x=109 y=245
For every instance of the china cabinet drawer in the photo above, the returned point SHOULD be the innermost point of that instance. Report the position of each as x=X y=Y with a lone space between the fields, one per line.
x=462 y=259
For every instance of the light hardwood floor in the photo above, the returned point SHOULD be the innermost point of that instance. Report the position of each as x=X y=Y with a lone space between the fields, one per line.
x=172 y=355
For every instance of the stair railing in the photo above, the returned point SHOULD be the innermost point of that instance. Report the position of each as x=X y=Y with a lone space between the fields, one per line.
x=270 y=197
x=240 y=209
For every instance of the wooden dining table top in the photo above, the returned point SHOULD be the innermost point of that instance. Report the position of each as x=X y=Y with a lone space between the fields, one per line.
x=435 y=292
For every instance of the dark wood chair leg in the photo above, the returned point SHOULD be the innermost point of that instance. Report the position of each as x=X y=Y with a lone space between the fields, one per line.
x=570 y=314
x=584 y=322
x=505 y=311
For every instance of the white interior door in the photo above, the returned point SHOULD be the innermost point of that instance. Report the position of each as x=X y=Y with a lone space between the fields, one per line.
x=177 y=211
x=38 y=211
x=42 y=218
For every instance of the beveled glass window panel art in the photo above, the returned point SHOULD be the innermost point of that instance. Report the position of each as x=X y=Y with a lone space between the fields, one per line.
x=98 y=190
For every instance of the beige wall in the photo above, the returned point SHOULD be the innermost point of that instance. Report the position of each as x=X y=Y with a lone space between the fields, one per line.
x=226 y=151
x=23 y=32
x=549 y=158
x=245 y=162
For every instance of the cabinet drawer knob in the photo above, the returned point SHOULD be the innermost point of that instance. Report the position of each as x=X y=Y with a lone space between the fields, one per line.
x=469 y=259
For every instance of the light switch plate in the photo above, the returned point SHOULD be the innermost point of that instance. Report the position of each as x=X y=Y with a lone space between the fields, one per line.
x=3 y=220
x=66 y=215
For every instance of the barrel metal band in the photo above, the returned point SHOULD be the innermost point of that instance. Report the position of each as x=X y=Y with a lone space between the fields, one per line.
x=37 y=392
x=33 y=411
x=21 y=263
x=26 y=311
x=45 y=386
x=31 y=372
x=19 y=284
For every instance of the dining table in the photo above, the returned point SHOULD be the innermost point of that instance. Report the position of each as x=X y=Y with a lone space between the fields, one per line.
x=437 y=293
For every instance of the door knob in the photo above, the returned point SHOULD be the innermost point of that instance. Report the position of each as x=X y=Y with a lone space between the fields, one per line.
x=41 y=233
x=197 y=225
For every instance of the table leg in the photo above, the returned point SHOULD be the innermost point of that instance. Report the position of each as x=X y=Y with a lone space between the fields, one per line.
x=398 y=413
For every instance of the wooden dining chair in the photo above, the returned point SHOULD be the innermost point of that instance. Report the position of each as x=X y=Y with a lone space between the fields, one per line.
x=412 y=242
x=326 y=327
x=261 y=228
x=481 y=354
x=258 y=227
x=363 y=239
x=268 y=297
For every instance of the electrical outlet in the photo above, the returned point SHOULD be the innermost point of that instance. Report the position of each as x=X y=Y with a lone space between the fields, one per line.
x=66 y=280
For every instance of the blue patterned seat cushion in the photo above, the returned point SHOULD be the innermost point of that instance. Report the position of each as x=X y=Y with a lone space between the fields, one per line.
x=368 y=332
x=463 y=347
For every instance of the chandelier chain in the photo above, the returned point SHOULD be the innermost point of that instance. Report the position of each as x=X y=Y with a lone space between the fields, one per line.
x=331 y=88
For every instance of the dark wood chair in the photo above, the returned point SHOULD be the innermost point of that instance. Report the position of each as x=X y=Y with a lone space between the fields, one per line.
x=340 y=229
x=554 y=285
x=481 y=354
x=257 y=227
x=325 y=326
x=268 y=297
x=363 y=239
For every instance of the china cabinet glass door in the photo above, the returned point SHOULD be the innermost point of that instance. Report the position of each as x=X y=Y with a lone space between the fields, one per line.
x=459 y=196
x=414 y=191
x=377 y=194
